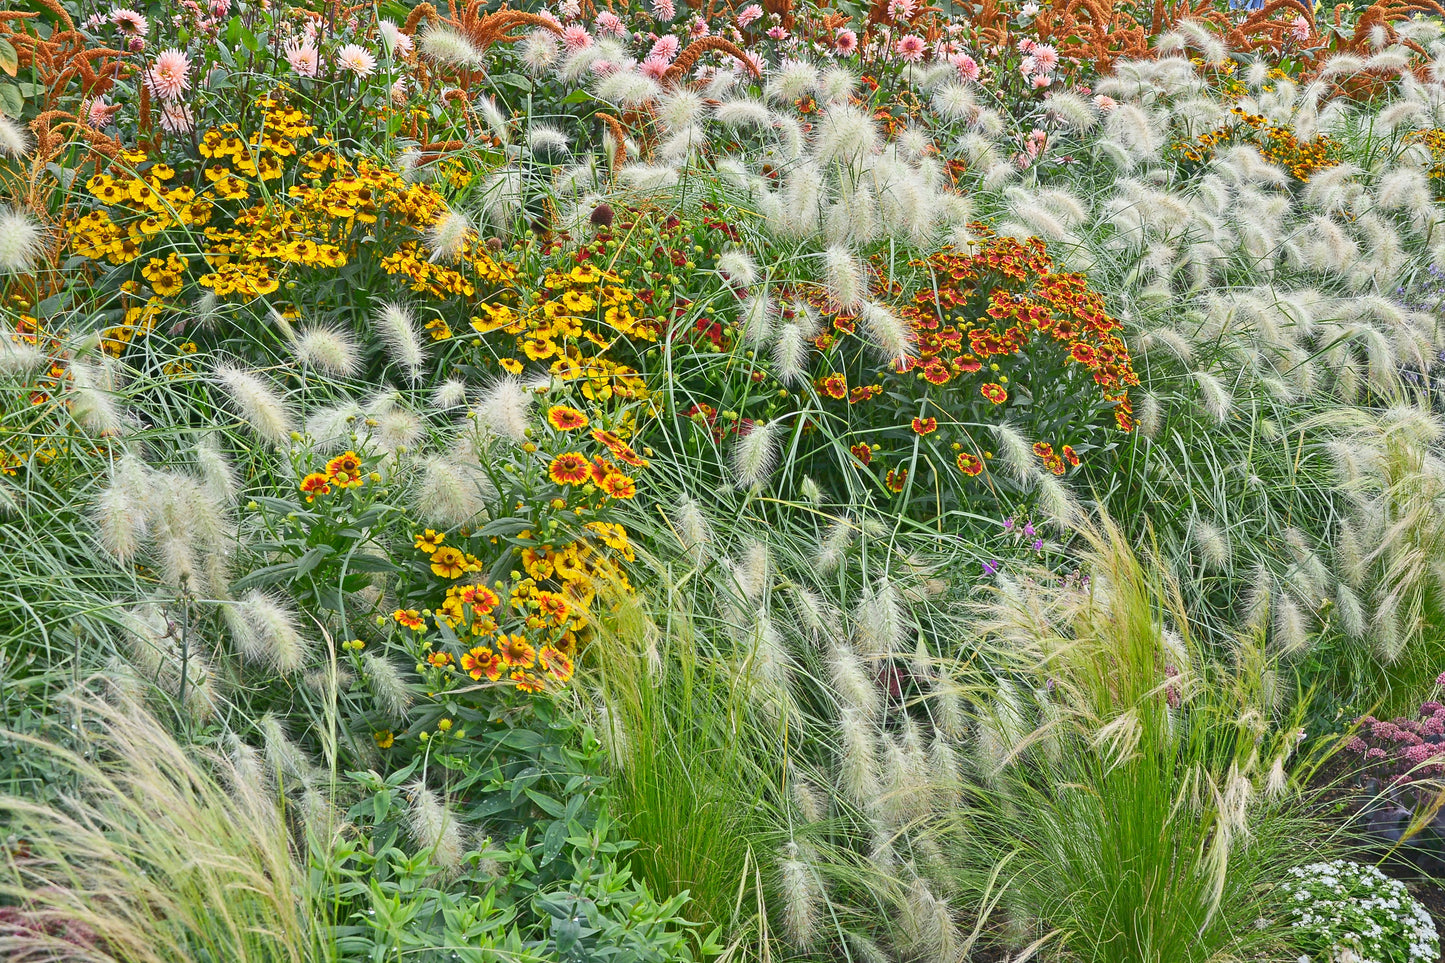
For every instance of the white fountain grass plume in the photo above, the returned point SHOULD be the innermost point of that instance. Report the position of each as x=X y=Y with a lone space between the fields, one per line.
x=387 y=685
x=395 y=325
x=755 y=454
x=505 y=409
x=22 y=241
x=803 y=897
x=450 y=491
x=450 y=48
x=326 y=348
x=14 y=141
x=434 y=828
x=843 y=278
x=265 y=630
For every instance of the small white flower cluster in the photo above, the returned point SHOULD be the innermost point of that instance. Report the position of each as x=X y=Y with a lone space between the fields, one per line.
x=1344 y=911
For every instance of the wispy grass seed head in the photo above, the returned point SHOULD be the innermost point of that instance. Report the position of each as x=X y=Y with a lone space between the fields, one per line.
x=21 y=242
x=257 y=402
x=755 y=454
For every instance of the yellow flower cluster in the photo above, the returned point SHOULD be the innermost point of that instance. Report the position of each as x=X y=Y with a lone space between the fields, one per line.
x=313 y=208
x=533 y=636
x=571 y=324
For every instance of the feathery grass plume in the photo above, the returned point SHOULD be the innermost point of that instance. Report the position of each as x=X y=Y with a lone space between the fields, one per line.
x=810 y=491
x=280 y=322
x=1349 y=553
x=1134 y=130
x=334 y=425
x=834 y=546
x=889 y=335
x=505 y=409
x=1214 y=396
x=394 y=325
x=802 y=898
x=945 y=775
x=1291 y=632
x=219 y=475
x=758 y=312
x=18 y=357
x=257 y=403
x=1016 y=452
x=811 y=804
x=288 y=764
x=1070 y=110
x=879 y=623
x=249 y=782
x=857 y=761
x=1259 y=598
x=753 y=570
x=387 y=685
x=326 y=349
x=123 y=508
x=790 y=353
x=804 y=196
x=767 y=667
x=1056 y=501
x=755 y=454
x=842 y=278
x=274 y=637
x=22 y=241
x=907 y=793
x=547 y=141
x=448 y=492
x=185 y=520
x=433 y=827
x=682 y=146
x=629 y=88
x=538 y=51
x=450 y=48
x=954 y=102
x=693 y=530
x=448 y=235
x=394 y=430
x=648 y=177
x=836 y=85
x=851 y=682
x=244 y=637
x=14 y=142
x=1349 y=612
x=149 y=638
x=1213 y=545
x=853 y=217
x=680 y=108
x=1169 y=339
x=450 y=394
x=791 y=80
x=742 y=112
x=1149 y=413
x=816 y=617
x=92 y=402
x=738 y=266
x=928 y=928
x=151 y=857
x=844 y=135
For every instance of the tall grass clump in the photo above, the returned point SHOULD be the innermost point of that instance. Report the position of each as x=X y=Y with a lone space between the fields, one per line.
x=160 y=856
x=1131 y=814
x=688 y=780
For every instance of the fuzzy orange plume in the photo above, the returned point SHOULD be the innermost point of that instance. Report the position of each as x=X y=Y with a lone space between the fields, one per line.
x=619 y=139
x=694 y=52
x=422 y=11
